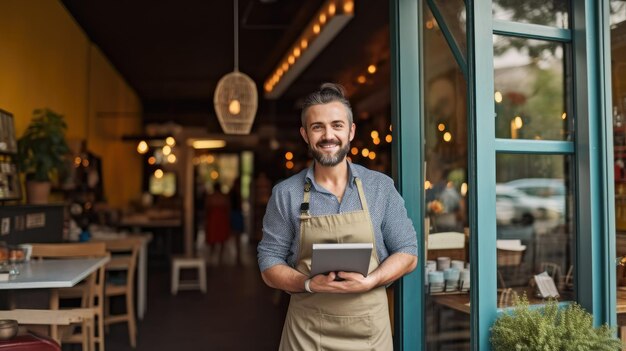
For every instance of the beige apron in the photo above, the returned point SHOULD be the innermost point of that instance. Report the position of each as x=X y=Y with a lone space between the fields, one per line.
x=342 y=322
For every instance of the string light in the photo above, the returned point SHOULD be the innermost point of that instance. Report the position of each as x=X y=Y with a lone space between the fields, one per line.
x=142 y=147
x=518 y=122
x=498 y=96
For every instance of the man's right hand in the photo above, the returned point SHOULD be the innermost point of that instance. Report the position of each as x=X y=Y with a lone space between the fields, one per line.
x=348 y=283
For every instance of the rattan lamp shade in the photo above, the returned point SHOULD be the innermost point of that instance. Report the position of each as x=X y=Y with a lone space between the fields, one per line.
x=236 y=101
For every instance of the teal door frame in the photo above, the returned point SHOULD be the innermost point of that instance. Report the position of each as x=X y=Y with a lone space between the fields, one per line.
x=597 y=284
x=591 y=151
x=407 y=160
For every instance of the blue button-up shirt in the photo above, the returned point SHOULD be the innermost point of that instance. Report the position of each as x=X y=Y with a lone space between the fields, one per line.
x=393 y=230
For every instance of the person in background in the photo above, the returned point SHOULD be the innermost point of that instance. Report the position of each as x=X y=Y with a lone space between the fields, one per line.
x=236 y=216
x=335 y=201
x=217 y=221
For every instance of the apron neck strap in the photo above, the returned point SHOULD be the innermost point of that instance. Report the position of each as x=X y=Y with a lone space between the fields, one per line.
x=304 y=207
x=359 y=187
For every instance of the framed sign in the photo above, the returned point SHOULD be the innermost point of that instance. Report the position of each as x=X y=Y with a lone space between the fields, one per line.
x=10 y=187
x=8 y=143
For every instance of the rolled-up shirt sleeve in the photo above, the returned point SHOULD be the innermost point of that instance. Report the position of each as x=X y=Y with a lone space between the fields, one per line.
x=278 y=233
x=398 y=232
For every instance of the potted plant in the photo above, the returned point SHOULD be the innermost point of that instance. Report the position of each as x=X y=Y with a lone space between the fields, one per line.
x=41 y=152
x=550 y=328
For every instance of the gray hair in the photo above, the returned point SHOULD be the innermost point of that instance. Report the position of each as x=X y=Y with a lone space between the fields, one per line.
x=327 y=93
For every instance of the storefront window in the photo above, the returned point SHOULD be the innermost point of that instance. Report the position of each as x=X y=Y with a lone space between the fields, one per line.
x=535 y=229
x=553 y=13
x=453 y=14
x=530 y=89
x=618 y=85
x=447 y=310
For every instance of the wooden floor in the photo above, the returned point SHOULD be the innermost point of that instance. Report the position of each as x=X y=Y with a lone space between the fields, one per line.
x=237 y=313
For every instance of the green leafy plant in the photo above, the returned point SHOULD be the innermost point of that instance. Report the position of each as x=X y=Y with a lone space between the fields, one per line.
x=549 y=328
x=42 y=147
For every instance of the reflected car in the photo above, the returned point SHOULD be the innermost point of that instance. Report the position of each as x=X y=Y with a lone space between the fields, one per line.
x=551 y=188
x=513 y=206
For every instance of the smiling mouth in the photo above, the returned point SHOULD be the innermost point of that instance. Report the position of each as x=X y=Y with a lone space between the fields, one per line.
x=328 y=144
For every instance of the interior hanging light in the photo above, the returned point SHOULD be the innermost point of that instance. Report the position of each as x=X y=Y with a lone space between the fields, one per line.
x=235 y=99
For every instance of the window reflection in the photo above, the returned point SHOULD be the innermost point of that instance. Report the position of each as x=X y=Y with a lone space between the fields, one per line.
x=453 y=12
x=553 y=13
x=447 y=310
x=530 y=89
x=534 y=227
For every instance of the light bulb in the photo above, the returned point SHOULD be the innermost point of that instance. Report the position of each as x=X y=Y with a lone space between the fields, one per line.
x=234 y=107
x=142 y=148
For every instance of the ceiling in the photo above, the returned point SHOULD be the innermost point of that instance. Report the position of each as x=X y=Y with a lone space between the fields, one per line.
x=174 y=52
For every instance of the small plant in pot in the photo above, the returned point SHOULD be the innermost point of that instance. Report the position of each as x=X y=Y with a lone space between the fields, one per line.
x=550 y=328
x=41 y=152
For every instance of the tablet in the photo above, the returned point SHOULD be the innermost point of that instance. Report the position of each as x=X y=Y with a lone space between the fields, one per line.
x=346 y=257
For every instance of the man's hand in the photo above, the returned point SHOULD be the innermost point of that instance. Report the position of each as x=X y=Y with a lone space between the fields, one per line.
x=394 y=267
x=290 y=280
x=351 y=283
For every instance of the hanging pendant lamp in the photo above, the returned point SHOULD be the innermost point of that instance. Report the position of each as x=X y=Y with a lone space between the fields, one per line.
x=236 y=98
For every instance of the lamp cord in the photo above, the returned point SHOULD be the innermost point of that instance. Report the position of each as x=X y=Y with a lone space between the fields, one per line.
x=236 y=30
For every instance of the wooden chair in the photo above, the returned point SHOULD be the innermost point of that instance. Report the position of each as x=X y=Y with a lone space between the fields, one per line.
x=91 y=291
x=507 y=298
x=448 y=244
x=124 y=258
x=509 y=258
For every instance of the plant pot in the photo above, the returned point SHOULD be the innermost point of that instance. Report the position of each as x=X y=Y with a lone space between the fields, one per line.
x=37 y=192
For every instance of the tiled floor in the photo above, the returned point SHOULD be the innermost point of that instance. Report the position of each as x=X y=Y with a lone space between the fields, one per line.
x=237 y=312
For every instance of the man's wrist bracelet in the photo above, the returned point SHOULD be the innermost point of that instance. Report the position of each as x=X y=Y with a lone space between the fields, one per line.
x=307 y=286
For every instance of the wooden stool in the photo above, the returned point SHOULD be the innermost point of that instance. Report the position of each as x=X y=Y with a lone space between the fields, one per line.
x=179 y=263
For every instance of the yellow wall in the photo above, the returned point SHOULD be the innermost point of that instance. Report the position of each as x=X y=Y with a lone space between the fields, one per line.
x=47 y=60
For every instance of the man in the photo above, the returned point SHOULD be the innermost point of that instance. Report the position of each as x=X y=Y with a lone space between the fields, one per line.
x=335 y=201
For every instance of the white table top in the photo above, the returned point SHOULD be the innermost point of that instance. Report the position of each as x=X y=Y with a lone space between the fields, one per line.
x=57 y=273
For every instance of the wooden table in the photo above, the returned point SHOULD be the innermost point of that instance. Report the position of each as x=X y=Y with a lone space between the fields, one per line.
x=47 y=274
x=458 y=302
x=461 y=302
x=140 y=224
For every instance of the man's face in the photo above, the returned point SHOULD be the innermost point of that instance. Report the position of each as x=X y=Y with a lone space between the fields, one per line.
x=328 y=133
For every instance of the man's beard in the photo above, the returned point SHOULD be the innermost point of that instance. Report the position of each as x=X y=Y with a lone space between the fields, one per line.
x=330 y=160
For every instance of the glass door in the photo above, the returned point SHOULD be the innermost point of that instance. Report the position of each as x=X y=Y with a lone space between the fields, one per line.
x=445 y=123
x=617 y=12
x=503 y=101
